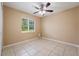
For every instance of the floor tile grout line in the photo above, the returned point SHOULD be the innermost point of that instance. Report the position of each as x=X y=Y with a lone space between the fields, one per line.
x=52 y=50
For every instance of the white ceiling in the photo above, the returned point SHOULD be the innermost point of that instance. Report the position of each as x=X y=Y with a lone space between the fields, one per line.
x=29 y=6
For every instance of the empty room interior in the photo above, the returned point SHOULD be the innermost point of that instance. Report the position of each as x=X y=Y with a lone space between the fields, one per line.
x=40 y=29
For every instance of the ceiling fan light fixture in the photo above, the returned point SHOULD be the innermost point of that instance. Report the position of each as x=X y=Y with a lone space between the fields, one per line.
x=44 y=8
x=42 y=12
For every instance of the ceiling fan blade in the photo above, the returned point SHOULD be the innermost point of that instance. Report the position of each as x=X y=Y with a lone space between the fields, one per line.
x=49 y=10
x=35 y=12
x=47 y=4
x=36 y=7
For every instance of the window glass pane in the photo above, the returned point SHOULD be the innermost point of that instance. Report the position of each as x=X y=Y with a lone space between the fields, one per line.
x=24 y=24
x=31 y=25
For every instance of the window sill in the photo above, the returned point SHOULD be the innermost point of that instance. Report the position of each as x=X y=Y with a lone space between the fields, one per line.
x=27 y=31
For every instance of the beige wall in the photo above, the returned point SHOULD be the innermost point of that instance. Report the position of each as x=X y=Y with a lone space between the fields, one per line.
x=62 y=26
x=12 y=26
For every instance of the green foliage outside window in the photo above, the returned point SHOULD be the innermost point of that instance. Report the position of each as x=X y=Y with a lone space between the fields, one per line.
x=27 y=25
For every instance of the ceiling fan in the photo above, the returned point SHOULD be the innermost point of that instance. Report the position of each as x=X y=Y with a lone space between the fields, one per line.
x=43 y=9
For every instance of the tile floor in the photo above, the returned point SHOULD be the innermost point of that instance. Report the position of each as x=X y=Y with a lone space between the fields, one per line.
x=41 y=47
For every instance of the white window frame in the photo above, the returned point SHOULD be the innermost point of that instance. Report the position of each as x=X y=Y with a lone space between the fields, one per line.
x=28 y=26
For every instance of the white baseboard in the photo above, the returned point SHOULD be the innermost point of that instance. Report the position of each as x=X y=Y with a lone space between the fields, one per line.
x=19 y=42
x=67 y=43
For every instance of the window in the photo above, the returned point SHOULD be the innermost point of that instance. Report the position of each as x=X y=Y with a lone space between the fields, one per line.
x=28 y=25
